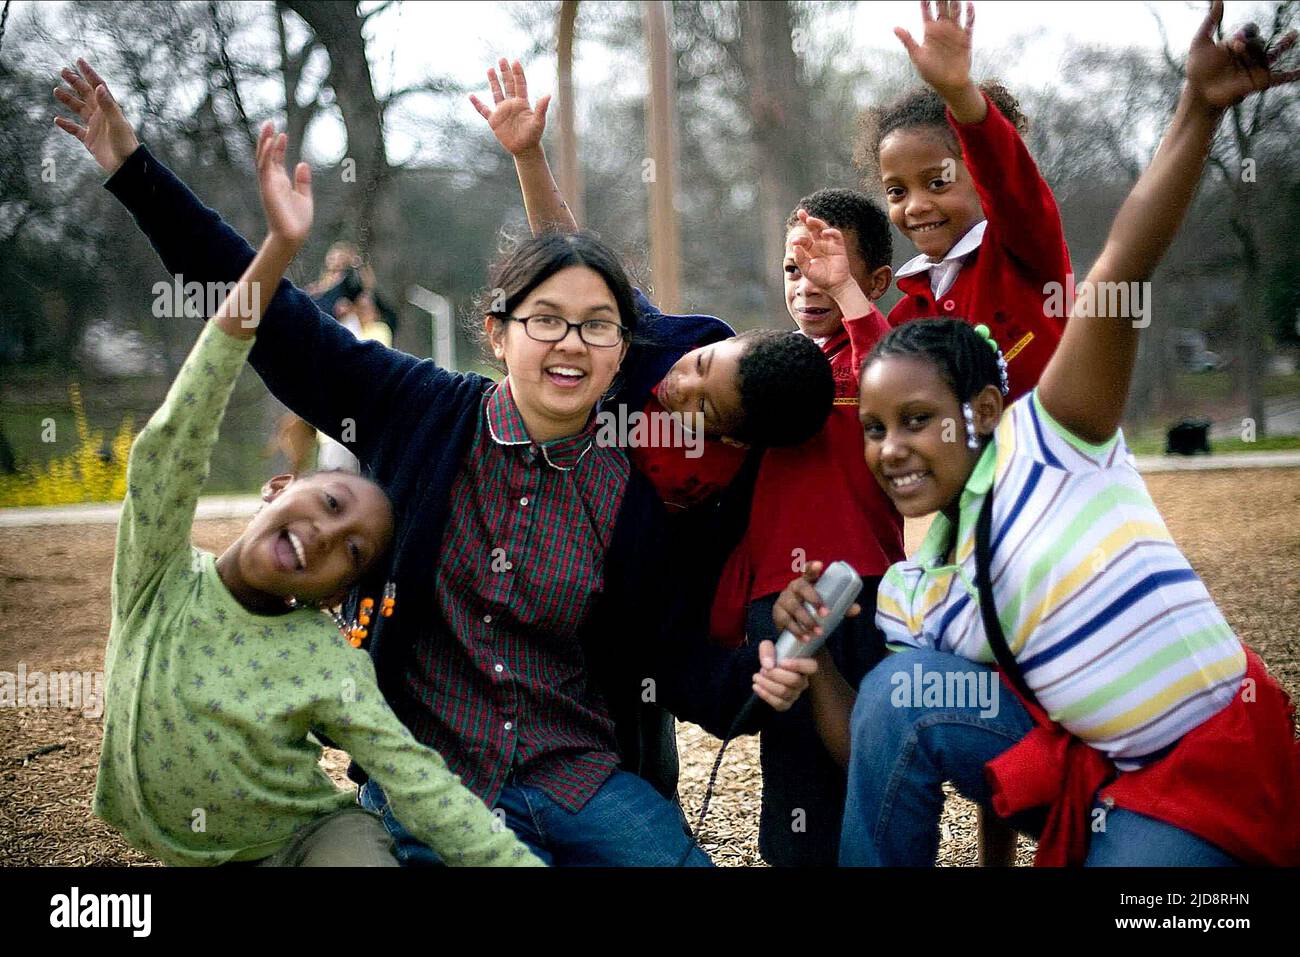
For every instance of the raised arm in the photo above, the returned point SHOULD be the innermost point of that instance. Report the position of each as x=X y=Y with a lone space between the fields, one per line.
x=518 y=127
x=1021 y=210
x=169 y=458
x=299 y=350
x=1086 y=383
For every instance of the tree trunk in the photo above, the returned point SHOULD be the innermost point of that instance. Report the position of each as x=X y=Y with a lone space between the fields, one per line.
x=297 y=117
x=1251 y=327
x=661 y=173
x=338 y=28
x=570 y=167
x=778 y=106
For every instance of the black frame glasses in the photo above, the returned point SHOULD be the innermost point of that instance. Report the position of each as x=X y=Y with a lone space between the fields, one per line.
x=531 y=326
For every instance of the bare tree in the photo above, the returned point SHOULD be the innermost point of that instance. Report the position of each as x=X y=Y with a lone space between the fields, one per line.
x=338 y=28
x=782 y=125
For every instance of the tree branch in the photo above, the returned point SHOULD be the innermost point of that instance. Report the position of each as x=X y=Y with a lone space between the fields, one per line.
x=439 y=86
x=363 y=17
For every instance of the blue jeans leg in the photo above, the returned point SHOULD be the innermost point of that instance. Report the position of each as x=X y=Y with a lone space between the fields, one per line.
x=627 y=823
x=1135 y=840
x=411 y=852
x=922 y=717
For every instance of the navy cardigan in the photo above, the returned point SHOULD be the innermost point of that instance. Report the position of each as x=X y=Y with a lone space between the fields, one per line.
x=413 y=423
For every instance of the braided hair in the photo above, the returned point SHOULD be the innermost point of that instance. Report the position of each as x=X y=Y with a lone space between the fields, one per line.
x=922 y=107
x=960 y=354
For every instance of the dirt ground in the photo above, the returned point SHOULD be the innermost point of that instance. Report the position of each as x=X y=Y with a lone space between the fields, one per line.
x=1241 y=530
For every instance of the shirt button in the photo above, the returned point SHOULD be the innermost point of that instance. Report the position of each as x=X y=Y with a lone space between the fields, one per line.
x=509 y=725
x=949 y=305
x=499 y=668
x=524 y=500
x=487 y=619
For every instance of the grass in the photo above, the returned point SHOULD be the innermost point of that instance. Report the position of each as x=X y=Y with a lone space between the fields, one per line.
x=1219 y=386
x=1152 y=443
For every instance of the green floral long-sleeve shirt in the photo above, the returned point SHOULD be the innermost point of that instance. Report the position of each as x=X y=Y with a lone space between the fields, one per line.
x=206 y=756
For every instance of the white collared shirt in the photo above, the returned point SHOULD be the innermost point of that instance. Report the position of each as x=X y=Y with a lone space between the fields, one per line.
x=944 y=272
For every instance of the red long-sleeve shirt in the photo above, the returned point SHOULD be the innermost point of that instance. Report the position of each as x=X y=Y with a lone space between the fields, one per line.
x=1001 y=283
x=816 y=501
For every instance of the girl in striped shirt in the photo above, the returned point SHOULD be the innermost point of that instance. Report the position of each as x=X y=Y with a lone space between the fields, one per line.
x=1143 y=731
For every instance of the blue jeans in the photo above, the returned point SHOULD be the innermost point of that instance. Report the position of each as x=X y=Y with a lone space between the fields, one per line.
x=903 y=750
x=626 y=823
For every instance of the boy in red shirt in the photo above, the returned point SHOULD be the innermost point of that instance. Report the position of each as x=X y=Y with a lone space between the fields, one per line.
x=960 y=184
x=813 y=502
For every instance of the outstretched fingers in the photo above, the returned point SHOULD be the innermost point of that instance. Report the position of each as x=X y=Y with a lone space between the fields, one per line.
x=75 y=80
x=494 y=84
x=521 y=81
x=69 y=127
x=1211 y=22
x=89 y=73
x=507 y=78
x=483 y=111
x=72 y=102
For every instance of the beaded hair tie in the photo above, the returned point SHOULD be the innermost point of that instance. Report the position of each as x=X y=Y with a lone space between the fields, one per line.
x=987 y=336
x=357 y=630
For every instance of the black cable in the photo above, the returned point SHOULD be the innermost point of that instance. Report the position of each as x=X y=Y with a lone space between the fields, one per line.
x=742 y=716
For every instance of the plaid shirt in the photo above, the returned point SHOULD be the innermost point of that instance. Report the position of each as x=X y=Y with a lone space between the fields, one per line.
x=500 y=684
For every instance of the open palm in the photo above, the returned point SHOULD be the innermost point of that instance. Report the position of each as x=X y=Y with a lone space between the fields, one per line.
x=821 y=256
x=106 y=134
x=943 y=57
x=515 y=123
x=287 y=202
x=1222 y=74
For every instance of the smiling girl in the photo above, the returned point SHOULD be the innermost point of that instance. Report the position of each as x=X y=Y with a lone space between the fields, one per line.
x=218 y=668
x=960 y=184
x=1133 y=725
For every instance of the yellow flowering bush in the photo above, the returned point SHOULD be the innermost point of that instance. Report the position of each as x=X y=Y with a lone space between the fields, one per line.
x=80 y=476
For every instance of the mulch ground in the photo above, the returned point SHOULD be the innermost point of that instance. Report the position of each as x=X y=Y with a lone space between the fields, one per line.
x=1241 y=530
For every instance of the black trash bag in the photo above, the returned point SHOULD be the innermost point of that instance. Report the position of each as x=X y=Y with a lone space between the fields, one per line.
x=1188 y=437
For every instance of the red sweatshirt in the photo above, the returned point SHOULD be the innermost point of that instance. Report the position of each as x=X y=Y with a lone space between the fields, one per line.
x=814 y=502
x=1001 y=283
x=1234 y=780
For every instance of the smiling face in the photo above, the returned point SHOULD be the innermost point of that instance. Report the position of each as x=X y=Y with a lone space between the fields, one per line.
x=707 y=380
x=556 y=385
x=813 y=311
x=915 y=432
x=928 y=190
x=315 y=536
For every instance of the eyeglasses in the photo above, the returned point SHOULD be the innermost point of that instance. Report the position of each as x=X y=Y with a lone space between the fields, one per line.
x=594 y=332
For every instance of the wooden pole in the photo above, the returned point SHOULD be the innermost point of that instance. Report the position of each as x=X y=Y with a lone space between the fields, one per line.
x=659 y=171
x=570 y=167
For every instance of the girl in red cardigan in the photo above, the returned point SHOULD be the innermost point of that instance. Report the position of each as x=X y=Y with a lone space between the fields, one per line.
x=960 y=184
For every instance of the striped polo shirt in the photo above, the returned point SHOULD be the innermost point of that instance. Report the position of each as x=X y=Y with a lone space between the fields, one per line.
x=1115 y=633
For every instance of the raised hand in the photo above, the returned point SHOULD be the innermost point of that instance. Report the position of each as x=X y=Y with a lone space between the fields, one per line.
x=822 y=255
x=943 y=57
x=288 y=203
x=106 y=134
x=1221 y=74
x=517 y=125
